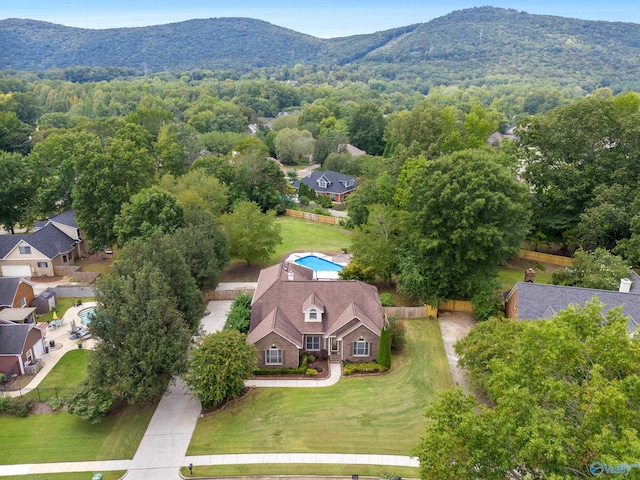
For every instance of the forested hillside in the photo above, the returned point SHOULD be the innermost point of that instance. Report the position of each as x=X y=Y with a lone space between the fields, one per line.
x=479 y=46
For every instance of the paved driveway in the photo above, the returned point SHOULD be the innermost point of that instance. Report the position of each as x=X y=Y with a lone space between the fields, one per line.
x=455 y=326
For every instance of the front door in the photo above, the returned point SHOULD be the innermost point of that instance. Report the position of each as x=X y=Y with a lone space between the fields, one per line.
x=334 y=345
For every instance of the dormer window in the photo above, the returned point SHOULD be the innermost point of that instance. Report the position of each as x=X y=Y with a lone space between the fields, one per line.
x=313 y=314
x=322 y=183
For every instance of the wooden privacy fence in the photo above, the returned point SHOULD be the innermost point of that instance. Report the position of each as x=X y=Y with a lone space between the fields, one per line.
x=314 y=217
x=226 y=294
x=456 y=306
x=545 y=258
x=428 y=311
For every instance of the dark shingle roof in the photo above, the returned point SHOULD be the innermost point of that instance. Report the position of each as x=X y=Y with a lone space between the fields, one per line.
x=336 y=182
x=8 y=289
x=538 y=301
x=65 y=218
x=13 y=338
x=49 y=240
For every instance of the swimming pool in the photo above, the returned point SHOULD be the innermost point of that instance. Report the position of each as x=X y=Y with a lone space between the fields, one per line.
x=318 y=264
x=86 y=315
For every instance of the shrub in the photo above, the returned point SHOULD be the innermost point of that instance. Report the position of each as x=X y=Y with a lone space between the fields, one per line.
x=240 y=314
x=4 y=404
x=386 y=299
x=311 y=372
x=54 y=403
x=368 y=367
x=90 y=404
x=357 y=271
x=19 y=407
x=397 y=332
x=384 y=350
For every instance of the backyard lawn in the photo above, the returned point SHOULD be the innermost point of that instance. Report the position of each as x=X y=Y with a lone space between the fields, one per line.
x=299 y=469
x=299 y=234
x=368 y=414
x=114 y=475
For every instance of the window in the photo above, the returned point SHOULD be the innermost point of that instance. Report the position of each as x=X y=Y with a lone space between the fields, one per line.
x=312 y=343
x=313 y=314
x=273 y=356
x=25 y=250
x=64 y=258
x=361 y=348
x=322 y=183
x=23 y=302
x=43 y=264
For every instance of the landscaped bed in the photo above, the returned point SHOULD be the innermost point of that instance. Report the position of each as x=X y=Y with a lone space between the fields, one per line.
x=362 y=414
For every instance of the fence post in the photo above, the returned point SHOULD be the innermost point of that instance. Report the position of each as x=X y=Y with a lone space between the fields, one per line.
x=38 y=390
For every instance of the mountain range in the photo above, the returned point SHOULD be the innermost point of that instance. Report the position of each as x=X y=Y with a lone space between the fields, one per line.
x=482 y=45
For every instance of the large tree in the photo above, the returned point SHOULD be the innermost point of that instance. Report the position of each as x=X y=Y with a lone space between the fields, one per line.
x=143 y=337
x=293 y=146
x=464 y=214
x=159 y=250
x=150 y=210
x=366 y=128
x=105 y=180
x=374 y=243
x=252 y=235
x=16 y=191
x=557 y=407
x=219 y=365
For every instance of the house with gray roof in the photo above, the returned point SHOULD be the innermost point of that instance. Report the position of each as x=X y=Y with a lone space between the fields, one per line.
x=291 y=314
x=55 y=242
x=21 y=345
x=534 y=301
x=332 y=184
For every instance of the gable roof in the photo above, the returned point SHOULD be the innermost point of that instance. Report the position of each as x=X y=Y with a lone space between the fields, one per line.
x=540 y=301
x=341 y=301
x=8 y=290
x=336 y=182
x=48 y=240
x=276 y=321
x=13 y=338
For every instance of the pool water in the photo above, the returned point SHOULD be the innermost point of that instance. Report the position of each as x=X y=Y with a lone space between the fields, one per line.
x=86 y=315
x=318 y=264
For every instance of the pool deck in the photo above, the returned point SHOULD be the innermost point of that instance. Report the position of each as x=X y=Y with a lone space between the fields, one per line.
x=61 y=336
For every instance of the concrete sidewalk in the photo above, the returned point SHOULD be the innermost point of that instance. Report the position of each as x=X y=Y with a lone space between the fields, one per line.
x=171 y=473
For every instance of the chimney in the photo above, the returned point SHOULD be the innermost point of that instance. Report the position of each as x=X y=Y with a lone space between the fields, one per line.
x=625 y=285
x=529 y=275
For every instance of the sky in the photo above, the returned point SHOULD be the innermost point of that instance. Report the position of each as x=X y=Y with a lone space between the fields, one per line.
x=320 y=18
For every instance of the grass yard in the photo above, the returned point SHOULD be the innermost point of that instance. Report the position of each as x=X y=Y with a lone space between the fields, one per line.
x=513 y=272
x=63 y=304
x=379 y=471
x=368 y=414
x=299 y=234
x=61 y=437
x=113 y=475
x=70 y=370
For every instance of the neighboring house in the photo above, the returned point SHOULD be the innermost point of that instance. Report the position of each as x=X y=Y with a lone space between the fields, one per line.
x=350 y=149
x=291 y=313
x=332 y=184
x=54 y=242
x=533 y=301
x=21 y=345
x=15 y=292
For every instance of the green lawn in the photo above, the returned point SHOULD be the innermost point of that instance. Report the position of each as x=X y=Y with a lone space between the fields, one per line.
x=299 y=234
x=61 y=437
x=70 y=370
x=372 y=414
x=379 y=471
x=510 y=275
